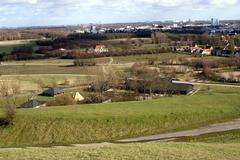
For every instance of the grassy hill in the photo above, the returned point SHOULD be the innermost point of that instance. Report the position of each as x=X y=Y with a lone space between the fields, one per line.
x=8 y=46
x=149 y=151
x=107 y=122
x=222 y=137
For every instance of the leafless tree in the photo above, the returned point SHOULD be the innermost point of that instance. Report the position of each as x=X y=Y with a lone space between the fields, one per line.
x=7 y=90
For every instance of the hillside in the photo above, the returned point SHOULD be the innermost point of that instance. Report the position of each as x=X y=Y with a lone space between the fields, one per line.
x=149 y=151
x=107 y=122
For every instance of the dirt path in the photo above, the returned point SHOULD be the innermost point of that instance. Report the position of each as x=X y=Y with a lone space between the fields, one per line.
x=221 y=127
x=107 y=65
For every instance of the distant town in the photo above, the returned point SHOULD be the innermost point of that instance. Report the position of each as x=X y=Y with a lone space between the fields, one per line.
x=213 y=26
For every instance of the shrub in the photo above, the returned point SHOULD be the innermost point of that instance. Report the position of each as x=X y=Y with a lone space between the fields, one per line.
x=10 y=113
x=209 y=73
x=94 y=98
x=62 y=100
x=66 y=82
x=82 y=63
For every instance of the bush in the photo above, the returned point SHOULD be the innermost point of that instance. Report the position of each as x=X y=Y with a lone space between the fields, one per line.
x=10 y=113
x=209 y=73
x=62 y=100
x=82 y=63
x=94 y=98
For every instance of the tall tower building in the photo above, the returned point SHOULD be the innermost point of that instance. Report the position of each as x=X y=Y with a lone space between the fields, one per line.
x=215 y=22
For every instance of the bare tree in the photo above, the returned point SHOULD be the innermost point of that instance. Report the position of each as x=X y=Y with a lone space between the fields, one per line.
x=7 y=90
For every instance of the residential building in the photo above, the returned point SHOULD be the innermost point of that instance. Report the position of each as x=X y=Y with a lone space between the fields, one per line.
x=101 y=49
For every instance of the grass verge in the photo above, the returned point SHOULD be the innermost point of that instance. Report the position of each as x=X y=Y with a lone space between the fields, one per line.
x=221 y=137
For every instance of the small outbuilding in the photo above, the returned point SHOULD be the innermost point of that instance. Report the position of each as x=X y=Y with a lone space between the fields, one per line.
x=52 y=92
x=78 y=97
x=33 y=104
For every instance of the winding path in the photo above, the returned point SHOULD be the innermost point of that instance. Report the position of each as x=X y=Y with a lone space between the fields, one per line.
x=220 y=127
x=211 y=84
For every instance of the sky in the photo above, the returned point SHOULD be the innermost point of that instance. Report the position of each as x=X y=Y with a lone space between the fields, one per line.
x=18 y=13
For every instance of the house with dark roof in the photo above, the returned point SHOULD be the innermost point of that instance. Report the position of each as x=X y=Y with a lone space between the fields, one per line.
x=162 y=86
x=52 y=92
x=33 y=104
x=181 y=88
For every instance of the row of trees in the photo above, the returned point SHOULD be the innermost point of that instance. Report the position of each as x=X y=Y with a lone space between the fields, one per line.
x=17 y=35
x=20 y=53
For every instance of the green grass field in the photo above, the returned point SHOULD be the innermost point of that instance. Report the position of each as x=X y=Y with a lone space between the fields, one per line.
x=7 y=47
x=37 y=82
x=107 y=122
x=222 y=137
x=52 y=69
x=147 y=151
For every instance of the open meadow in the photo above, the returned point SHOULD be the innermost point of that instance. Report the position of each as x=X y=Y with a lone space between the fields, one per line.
x=8 y=46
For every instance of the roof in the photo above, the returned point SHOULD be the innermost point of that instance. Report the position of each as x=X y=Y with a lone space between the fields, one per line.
x=100 y=46
x=32 y=104
x=179 y=86
x=78 y=97
x=53 y=91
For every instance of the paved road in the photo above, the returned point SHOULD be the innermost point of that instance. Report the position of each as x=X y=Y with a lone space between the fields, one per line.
x=221 y=127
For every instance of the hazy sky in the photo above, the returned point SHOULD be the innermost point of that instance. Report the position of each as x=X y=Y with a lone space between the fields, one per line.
x=57 y=12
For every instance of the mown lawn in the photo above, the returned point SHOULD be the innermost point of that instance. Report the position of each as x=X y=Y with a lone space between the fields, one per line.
x=108 y=122
x=146 y=151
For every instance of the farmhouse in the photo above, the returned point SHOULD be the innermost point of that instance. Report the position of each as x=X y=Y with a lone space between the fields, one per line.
x=53 y=92
x=101 y=49
x=33 y=104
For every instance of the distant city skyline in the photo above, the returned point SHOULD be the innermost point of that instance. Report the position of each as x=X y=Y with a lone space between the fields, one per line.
x=19 y=13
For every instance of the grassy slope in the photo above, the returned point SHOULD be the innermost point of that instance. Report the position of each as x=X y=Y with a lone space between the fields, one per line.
x=222 y=137
x=7 y=48
x=106 y=122
x=150 y=151
x=34 y=69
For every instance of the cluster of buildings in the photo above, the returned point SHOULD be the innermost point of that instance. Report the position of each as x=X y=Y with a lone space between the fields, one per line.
x=209 y=50
x=51 y=92
x=212 y=27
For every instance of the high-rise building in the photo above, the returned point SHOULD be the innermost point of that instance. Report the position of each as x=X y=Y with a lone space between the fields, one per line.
x=215 y=22
x=93 y=29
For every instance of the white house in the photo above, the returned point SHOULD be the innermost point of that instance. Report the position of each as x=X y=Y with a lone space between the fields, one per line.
x=207 y=52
